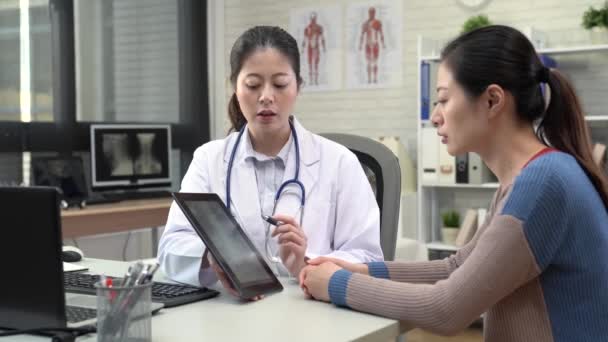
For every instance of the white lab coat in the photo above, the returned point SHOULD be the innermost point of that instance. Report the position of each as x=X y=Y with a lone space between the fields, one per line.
x=341 y=216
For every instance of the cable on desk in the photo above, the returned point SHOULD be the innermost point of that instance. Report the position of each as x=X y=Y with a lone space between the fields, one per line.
x=124 y=248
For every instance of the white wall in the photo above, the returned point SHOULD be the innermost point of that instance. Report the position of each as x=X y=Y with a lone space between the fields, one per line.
x=392 y=112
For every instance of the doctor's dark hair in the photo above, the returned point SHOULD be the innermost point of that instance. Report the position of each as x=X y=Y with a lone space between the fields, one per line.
x=503 y=56
x=258 y=37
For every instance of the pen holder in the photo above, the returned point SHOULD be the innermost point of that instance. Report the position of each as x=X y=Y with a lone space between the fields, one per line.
x=123 y=313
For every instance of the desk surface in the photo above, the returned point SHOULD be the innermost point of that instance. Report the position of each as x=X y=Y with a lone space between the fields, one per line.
x=282 y=316
x=114 y=217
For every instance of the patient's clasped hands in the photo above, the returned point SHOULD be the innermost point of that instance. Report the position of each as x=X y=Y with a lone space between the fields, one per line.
x=314 y=278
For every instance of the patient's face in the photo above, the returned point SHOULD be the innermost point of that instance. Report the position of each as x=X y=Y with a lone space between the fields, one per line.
x=460 y=120
x=266 y=89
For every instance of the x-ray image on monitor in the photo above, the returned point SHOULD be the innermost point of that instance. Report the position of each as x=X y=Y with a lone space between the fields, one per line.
x=130 y=155
x=116 y=154
x=147 y=161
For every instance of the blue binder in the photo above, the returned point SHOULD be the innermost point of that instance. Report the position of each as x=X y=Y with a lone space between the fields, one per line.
x=425 y=89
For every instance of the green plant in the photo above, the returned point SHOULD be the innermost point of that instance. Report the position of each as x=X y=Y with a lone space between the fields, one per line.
x=476 y=22
x=596 y=17
x=451 y=219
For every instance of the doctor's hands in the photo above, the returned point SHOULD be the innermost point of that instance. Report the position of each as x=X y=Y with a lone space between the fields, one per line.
x=223 y=278
x=292 y=243
x=314 y=280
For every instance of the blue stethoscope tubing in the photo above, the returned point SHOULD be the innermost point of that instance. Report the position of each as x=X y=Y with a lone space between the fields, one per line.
x=294 y=180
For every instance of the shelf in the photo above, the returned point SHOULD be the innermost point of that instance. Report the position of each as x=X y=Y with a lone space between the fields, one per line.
x=574 y=49
x=596 y=118
x=430 y=58
x=463 y=186
x=548 y=51
x=590 y=118
x=441 y=246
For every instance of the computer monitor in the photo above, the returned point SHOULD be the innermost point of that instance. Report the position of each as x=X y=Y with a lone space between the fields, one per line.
x=63 y=172
x=129 y=156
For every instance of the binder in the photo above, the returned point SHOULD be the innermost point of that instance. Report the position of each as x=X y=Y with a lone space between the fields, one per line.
x=482 y=213
x=599 y=155
x=429 y=152
x=425 y=99
x=547 y=61
x=467 y=228
x=433 y=69
x=462 y=168
x=408 y=173
x=447 y=165
x=478 y=171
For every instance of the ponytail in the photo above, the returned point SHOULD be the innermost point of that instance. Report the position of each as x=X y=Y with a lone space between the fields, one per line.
x=564 y=127
x=237 y=119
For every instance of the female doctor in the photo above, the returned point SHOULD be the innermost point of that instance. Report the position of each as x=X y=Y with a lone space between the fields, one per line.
x=326 y=205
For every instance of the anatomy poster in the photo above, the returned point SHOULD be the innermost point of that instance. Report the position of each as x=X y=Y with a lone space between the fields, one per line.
x=374 y=44
x=319 y=36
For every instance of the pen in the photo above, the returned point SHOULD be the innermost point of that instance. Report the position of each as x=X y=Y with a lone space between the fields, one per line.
x=151 y=272
x=272 y=221
x=109 y=284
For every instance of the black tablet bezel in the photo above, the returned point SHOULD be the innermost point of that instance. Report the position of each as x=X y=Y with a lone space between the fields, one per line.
x=244 y=291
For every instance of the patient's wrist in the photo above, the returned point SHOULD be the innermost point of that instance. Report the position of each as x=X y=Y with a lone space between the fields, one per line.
x=365 y=269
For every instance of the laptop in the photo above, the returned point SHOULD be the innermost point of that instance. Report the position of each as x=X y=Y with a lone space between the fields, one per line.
x=230 y=246
x=32 y=293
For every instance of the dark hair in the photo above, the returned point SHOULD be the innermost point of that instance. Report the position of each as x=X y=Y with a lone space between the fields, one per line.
x=255 y=38
x=504 y=56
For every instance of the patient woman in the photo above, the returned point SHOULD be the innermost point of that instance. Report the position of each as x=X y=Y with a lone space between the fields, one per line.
x=538 y=267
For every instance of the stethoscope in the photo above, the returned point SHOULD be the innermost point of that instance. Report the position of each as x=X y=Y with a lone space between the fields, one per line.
x=295 y=180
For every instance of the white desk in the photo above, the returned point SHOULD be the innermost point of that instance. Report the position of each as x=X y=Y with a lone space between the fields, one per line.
x=283 y=316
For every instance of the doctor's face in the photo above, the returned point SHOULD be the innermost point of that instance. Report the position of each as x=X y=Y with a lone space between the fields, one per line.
x=266 y=89
x=461 y=121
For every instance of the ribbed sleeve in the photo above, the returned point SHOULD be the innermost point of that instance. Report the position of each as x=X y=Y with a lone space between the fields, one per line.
x=337 y=287
x=427 y=272
x=378 y=270
x=500 y=263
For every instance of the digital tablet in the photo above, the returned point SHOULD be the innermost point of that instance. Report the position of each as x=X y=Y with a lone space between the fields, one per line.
x=232 y=249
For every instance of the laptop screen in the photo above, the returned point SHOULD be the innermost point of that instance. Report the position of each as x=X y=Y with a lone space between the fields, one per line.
x=31 y=292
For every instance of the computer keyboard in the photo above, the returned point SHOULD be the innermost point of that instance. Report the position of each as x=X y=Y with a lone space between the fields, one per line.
x=166 y=293
x=75 y=314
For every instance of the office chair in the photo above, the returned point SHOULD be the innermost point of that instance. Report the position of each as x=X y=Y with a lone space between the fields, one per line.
x=382 y=169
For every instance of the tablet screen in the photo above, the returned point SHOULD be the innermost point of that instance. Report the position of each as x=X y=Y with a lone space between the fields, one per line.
x=226 y=240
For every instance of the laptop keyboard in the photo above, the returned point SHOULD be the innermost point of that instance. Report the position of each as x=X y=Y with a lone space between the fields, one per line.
x=168 y=294
x=77 y=314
